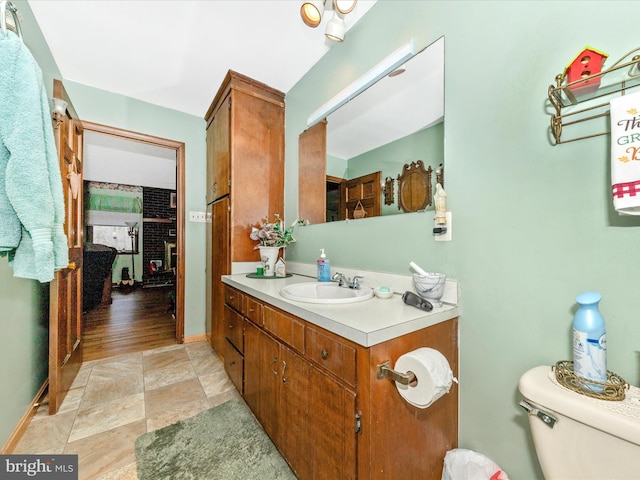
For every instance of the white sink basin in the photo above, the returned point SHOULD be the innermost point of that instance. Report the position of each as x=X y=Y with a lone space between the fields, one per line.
x=325 y=292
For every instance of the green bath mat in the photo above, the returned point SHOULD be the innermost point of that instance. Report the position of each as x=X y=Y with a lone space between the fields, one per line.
x=225 y=442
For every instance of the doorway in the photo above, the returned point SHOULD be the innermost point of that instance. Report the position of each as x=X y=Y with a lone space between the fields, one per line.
x=157 y=279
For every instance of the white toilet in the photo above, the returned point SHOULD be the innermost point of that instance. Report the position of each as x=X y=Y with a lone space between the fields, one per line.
x=579 y=437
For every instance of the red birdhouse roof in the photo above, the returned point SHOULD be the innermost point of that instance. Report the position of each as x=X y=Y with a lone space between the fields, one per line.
x=602 y=55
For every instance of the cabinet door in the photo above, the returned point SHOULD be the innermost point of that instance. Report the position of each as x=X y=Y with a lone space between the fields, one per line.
x=332 y=433
x=261 y=377
x=218 y=153
x=294 y=414
x=312 y=168
x=220 y=265
x=233 y=328
x=234 y=365
x=257 y=164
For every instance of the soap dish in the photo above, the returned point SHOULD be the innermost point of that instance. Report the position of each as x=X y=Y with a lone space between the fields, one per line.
x=383 y=292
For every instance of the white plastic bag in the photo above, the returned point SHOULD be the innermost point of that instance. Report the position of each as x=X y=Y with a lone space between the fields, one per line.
x=462 y=464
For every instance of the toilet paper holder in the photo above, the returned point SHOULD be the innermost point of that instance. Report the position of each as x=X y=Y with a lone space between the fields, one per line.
x=385 y=371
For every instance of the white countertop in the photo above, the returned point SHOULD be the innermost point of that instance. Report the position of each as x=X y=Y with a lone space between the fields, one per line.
x=366 y=323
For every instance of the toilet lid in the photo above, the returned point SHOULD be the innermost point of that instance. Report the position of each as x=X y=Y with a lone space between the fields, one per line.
x=619 y=418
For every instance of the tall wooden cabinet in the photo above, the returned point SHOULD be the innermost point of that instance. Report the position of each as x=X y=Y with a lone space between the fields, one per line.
x=245 y=181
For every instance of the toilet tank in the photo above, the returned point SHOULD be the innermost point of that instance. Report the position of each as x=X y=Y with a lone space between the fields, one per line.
x=592 y=439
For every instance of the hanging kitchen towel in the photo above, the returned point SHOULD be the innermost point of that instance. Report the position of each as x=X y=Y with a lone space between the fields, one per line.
x=625 y=153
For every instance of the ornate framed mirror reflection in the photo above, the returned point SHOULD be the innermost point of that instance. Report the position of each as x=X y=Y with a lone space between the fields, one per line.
x=415 y=192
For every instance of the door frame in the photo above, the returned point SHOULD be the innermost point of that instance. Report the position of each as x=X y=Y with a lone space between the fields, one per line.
x=179 y=147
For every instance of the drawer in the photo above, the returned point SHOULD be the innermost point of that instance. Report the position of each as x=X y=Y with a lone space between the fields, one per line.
x=234 y=328
x=234 y=365
x=253 y=310
x=233 y=298
x=331 y=354
x=286 y=328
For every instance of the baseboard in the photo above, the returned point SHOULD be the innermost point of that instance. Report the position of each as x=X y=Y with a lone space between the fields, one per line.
x=22 y=425
x=195 y=338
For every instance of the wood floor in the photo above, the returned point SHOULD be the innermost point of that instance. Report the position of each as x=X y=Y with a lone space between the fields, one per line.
x=137 y=320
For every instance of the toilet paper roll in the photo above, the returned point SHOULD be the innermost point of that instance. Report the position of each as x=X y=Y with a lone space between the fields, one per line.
x=433 y=373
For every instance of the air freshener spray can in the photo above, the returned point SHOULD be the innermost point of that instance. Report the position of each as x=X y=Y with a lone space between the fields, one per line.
x=589 y=340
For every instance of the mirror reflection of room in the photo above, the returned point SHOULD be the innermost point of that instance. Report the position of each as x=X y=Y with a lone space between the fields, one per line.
x=365 y=144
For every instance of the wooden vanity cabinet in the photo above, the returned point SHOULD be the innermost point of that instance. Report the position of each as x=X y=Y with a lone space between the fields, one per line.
x=318 y=397
x=244 y=180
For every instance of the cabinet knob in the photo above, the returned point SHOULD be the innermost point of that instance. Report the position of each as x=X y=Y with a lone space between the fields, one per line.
x=324 y=354
x=275 y=360
x=231 y=326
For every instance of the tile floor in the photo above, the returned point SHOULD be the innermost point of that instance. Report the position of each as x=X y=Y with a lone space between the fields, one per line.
x=114 y=401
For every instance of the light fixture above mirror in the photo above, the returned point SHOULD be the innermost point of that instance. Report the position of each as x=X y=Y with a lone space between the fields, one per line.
x=312 y=11
x=383 y=68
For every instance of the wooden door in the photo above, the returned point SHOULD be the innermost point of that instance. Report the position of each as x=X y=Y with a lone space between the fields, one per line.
x=261 y=377
x=336 y=209
x=294 y=413
x=220 y=265
x=65 y=305
x=366 y=190
x=312 y=168
x=332 y=432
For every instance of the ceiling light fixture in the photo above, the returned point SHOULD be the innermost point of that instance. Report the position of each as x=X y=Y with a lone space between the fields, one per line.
x=336 y=28
x=311 y=12
x=344 y=6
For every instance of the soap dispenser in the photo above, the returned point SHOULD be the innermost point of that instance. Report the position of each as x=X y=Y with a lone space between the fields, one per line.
x=324 y=269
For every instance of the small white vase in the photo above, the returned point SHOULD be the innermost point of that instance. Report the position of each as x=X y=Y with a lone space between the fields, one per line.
x=268 y=256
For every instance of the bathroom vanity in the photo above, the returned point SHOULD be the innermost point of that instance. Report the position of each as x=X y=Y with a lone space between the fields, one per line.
x=310 y=375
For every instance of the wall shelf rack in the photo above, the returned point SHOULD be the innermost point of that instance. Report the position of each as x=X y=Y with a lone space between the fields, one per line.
x=571 y=110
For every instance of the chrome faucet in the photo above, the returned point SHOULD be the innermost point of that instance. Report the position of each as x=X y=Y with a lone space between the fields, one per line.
x=344 y=281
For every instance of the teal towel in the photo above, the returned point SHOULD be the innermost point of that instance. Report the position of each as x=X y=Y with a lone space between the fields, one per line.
x=31 y=196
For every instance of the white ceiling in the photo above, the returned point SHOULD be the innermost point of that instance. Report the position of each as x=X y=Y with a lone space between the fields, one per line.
x=176 y=53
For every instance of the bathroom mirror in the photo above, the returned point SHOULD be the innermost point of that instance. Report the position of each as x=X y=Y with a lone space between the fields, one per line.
x=396 y=121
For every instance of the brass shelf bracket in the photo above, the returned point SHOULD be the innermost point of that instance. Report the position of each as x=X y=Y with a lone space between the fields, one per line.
x=587 y=107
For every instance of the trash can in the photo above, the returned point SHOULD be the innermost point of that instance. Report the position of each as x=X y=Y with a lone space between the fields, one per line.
x=462 y=464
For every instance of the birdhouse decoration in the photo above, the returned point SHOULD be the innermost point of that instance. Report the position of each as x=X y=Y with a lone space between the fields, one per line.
x=587 y=63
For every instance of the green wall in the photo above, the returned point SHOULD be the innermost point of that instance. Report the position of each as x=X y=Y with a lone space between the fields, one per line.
x=533 y=224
